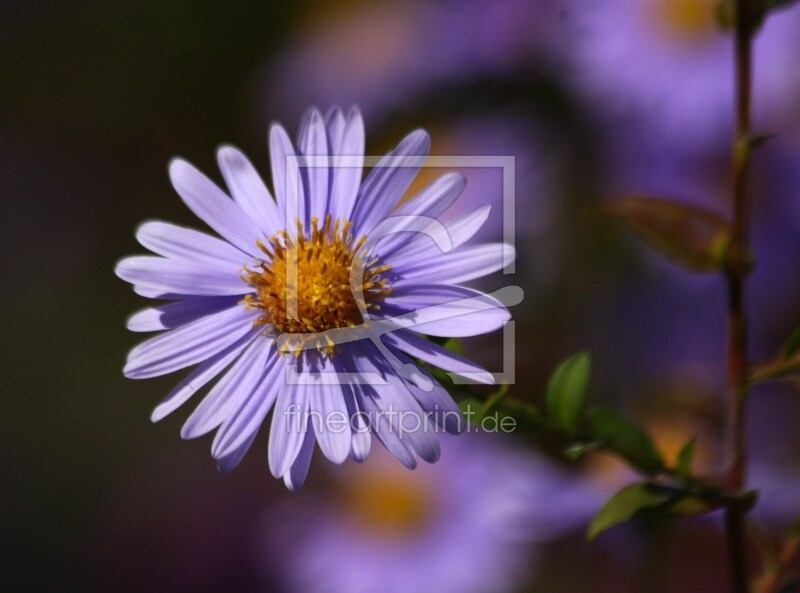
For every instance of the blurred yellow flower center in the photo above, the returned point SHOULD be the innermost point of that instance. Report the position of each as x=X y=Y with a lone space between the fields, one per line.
x=686 y=18
x=389 y=504
x=303 y=286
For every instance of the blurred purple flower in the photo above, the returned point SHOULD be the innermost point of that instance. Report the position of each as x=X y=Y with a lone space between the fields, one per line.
x=665 y=67
x=383 y=55
x=465 y=526
x=232 y=298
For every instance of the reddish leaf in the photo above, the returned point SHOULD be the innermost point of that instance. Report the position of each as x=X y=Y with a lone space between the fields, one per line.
x=689 y=235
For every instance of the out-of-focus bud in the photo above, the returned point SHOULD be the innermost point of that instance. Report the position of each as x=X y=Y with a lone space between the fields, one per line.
x=689 y=235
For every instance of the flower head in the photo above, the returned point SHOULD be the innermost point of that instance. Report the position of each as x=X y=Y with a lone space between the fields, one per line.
x=314 y=303
x=666 y=67
x=467 y=527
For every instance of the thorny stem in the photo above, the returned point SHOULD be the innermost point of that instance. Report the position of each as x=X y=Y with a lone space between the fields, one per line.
x=736 y=273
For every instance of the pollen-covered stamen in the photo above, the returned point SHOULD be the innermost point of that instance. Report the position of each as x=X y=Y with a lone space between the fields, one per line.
x=303 y=286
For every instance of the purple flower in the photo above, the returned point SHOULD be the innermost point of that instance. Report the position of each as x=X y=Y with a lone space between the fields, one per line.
x=314 y=302
x=666 y=66
x=359 y=53
x=466 y=527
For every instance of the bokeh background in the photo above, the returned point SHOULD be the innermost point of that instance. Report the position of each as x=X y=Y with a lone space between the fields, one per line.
x=593 y=99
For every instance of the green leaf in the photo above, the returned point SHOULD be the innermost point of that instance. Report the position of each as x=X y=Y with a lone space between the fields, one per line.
x=528 y=417
x=746 y=501
x=791 y=346
x=689 y=235
x=566 y=392
x=687 y=506
x=622 y=436
x=779 y=369
x=495 y=398
x=578 y=450
x=684 y=463
x=623 y=506
x=454 y=345
x=472 y=408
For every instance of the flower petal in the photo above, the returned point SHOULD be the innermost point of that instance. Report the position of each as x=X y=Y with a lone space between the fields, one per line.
x=429 y=203
x=289 y=426
x=180 y=277
x=434 y=399
x=460 y=230
x=388 y=181
x=366 y=397
x=246 y=419
x=175 y=314
x=447 y=311
x=361 y=441
x=220 y=402
x=383 y=429
x=200 y=376
x=157 y=293
x=231 y=461
x=458 y=266
x=334 y=124
x=287 y=180
x=395 y=403
x=248 y=190
x=177 y=242
x=432 y=353
x=296 y=475
x=347 y=167
x=188 y=344
x=330 y=420
x=213 y=207
x=313 y=145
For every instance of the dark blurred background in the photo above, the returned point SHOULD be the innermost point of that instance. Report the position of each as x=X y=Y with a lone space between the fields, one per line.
x=98 y=96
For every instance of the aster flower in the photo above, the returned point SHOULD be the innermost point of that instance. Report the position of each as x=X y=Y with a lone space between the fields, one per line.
x=360 y=52
x=666 y=66
x=471 y=526
x=313 y=303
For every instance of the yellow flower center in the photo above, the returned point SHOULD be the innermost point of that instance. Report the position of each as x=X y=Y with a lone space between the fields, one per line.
x=686 y=18
x=388 y=503
x=310 y=284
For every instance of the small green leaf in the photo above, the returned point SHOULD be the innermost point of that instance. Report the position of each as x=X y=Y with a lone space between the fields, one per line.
x=684 y=463
x=687 y=506
x=622 y=436
x=791 y=346
x=578 y=450
x=746 y=501
x=495 y=398
x=472 y=408
x=566 y=392
x=454 y=345
x=689 y=235
x=783 y=368
x=528 y=417
x=623 y=506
